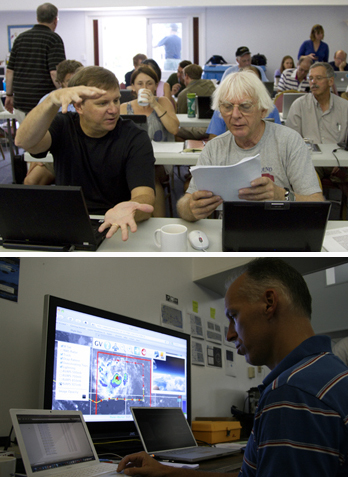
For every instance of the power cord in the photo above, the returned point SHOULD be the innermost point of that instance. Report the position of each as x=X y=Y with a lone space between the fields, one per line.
x=333 y=152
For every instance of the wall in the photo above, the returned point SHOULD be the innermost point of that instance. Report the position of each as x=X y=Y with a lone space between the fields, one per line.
x=273 y=31
x=130 y=286
x=71 y=28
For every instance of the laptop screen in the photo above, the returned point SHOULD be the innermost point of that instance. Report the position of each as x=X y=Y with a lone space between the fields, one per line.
x=53 y=441
x=163 y=429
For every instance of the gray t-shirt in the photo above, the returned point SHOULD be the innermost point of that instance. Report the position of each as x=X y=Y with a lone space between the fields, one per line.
x=285 y=158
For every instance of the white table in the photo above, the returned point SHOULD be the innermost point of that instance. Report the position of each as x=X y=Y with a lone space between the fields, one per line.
x=186 y=122
x=325 y=158
x=142 y=241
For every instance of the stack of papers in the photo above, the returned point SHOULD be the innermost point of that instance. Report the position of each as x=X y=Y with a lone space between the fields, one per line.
x=336 y=240
x=225 y=181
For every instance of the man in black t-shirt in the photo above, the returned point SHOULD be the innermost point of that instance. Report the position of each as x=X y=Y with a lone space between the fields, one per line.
x=110 y=158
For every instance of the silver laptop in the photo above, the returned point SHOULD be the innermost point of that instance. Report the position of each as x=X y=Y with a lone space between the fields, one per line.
x=341 y=80
x=288 y=99
x=57 y=443
x=166 y=434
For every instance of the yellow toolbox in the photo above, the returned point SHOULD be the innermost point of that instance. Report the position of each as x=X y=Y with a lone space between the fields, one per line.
x=213 y=432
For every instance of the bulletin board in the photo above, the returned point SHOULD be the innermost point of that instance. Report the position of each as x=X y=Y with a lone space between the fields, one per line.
x=13 y=31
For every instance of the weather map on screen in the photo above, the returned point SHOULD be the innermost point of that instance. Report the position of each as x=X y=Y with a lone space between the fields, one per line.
x=104 y=366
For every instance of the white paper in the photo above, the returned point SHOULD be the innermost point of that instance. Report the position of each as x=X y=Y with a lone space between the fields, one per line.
x=225 y=181
x=336 y=240
x=170 y=147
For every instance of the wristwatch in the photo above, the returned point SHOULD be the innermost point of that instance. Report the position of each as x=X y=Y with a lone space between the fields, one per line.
x=289 y=195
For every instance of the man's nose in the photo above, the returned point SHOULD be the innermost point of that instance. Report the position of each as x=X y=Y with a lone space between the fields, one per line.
x=231 y=333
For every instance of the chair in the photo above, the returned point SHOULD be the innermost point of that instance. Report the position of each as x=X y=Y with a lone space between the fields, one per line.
x=278 y=100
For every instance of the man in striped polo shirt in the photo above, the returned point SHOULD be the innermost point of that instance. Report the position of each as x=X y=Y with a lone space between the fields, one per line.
x=31 y=72
x=296 y=78
x=301 y=421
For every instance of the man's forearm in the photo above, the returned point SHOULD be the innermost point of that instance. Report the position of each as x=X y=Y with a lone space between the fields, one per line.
x=184 y=210
x=35 y=125
x=140 y=216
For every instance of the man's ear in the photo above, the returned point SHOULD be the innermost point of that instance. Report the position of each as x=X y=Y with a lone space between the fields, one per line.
x=270 y=301
x=78 y=107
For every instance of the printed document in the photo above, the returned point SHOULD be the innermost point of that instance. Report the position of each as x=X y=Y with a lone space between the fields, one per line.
x=336 y=240
x=225 y=181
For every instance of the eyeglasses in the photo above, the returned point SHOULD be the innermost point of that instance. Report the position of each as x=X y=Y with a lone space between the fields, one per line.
x=316 y=78
x=244 y=108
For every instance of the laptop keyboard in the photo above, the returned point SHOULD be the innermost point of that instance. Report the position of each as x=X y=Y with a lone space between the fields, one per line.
x=94 y=470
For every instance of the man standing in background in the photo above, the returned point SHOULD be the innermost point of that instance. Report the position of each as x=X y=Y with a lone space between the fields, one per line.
x=31 y=72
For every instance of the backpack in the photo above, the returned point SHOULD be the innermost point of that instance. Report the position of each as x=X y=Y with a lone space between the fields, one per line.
x=216 y=60
x=259 y=60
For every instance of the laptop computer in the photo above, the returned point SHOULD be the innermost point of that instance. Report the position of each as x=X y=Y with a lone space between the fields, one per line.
x=204 y=110
x=139 y=119
x=166 y=434
x=341 y=80
x=288 y=99
x=249 y=226
x=49 y=218
x=57 y=443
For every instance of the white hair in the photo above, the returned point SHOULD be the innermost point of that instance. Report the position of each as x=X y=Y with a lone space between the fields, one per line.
x=240 y=85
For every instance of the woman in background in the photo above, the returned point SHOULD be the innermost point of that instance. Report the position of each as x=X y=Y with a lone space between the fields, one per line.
x=315 y=47
x=287 y=62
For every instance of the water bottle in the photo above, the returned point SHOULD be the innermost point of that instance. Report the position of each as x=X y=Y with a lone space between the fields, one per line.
x=191 y=105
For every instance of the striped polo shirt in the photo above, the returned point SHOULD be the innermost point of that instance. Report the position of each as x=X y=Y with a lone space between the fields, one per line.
x=34 y=54
x=288 y=81
x=301 y=423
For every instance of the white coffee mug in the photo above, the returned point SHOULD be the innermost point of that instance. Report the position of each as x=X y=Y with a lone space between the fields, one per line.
x=7 y=466
x=142 y=99
x=171 y=238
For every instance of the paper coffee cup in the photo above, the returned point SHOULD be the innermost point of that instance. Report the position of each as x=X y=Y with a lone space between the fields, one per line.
x=7 y=466
x=142 y=99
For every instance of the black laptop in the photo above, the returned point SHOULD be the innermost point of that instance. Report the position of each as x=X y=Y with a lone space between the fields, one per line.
x=139 y=119
x=49 y=218
x=204 y=110
x=166 y=434
x=274 y=226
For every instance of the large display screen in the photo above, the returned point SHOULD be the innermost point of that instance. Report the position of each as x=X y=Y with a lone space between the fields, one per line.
x=102 y=364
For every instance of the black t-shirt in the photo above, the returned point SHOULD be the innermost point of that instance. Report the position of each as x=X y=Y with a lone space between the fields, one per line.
x=106 y=168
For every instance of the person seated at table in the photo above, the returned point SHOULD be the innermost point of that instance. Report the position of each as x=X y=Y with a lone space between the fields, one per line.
x=287 y=62
x=340 y=61
x=287 y=171
x=315 y=47
x=162 y=87
x=201 y=87
x=42 y=173
x=194 y=84
x=243 y=59
x=296 y=78
x=137 y=61
x=110 y=158
x=176 y=80
x=323 y=117
x=162 y=122
x=218 y=126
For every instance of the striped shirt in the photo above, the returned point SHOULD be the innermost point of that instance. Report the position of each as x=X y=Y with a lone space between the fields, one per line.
x=301 y=423
x=34 y=54
x=288 y=81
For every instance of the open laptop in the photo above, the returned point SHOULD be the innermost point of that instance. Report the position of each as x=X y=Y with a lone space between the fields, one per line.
x=277 y=226
x=204 y=110
x=49 y=218
x=139 y=119
x=57 y=443
x=341 y=80
x=166 y=434
x=288 y=99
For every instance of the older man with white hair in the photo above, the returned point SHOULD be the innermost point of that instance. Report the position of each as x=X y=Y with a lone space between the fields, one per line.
x=287 y=169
